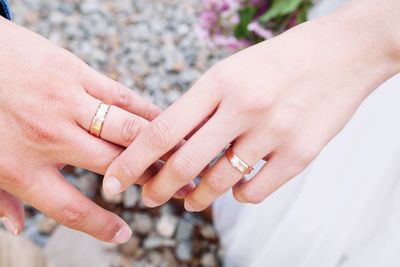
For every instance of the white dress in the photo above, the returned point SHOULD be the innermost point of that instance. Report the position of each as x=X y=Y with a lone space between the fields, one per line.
x=343 y=210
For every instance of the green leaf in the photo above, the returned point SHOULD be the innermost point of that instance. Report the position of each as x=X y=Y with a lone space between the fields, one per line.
x=280 y=8
x=246 y=15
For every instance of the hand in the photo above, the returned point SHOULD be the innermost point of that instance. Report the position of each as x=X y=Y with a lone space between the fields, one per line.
x=48 y=98
x=282 y=101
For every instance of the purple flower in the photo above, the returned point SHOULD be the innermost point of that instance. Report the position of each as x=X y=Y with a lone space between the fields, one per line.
x=260 y=30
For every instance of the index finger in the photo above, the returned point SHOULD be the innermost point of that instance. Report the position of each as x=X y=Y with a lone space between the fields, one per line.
x=161 y=135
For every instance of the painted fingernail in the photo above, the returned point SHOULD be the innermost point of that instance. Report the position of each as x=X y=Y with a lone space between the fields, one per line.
x=149 y=202
x=112 y=185
x=123 y=235
x=10 y=225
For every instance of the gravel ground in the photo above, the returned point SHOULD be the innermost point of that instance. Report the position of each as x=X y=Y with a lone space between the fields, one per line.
x=150 y=46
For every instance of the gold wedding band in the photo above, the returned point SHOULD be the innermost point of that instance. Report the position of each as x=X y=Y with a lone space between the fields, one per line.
x=98 y=119
x=237 y=162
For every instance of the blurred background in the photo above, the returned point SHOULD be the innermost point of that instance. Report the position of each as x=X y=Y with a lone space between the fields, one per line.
x=158 y=48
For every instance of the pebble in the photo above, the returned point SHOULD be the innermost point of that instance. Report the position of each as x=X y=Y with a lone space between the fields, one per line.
x=174 y=60
x=142 y=223
x=131 y=247
x=208 y=260
x=166 y=225
x=47 y=225
x=131 y=197
x=153 y=242
x=208 y=232
x=184 y=231
x=154 y=57
x=88 y=183
x=184 y=251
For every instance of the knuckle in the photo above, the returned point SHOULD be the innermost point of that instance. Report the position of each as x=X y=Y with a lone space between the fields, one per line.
x=121 y=96
x=150 y=112
x=182 y=168
x=61 y=63
x=217 y=76
x=216 y=183
x=130 y=129
x=159 y=134
x=280 y=125
x=74 y=214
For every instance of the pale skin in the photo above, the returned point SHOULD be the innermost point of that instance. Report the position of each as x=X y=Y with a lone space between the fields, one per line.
x=282 y=101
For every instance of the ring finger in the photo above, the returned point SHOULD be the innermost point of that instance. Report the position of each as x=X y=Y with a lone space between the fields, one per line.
x=223 y=175
x=119 y=126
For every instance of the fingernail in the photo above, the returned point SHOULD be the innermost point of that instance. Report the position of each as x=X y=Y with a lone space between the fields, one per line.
x=123 y=235
x=112 y=185
x=149 y=202
x=189 y=207
x=10 y=225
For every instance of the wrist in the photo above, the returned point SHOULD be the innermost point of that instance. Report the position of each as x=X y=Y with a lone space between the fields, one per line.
x=375 y=29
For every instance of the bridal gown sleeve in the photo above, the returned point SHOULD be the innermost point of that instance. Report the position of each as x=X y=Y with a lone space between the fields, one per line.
x=343 y=210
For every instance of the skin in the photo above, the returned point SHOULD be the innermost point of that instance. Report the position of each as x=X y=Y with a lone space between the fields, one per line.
x=48 y=98
x=282 y=101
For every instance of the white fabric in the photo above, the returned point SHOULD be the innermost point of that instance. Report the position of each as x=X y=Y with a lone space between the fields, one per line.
x=344 y=210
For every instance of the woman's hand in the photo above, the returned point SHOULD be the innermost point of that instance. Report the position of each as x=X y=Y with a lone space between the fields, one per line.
x=282 y=101
x=48 y=98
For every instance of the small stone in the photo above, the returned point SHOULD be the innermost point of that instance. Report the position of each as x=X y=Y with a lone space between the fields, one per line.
x=156 y=258
x=88 y=184
x=131 y=197
x=208 y=232
x=184 y=230
x=154 y=242
x=208 y=260
x=131 y=247
x=189 y=76
x=172 y=96
x=154 y=56
x=152 y=83
x=193 y=218
x=174 y=60
x=142 y=224
x=169 y=258
x=166 y=225
x=183 y=251
x=47 y=225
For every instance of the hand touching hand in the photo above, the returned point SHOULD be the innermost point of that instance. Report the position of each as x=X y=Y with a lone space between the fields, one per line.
x=282 y=101
x=48 y=98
